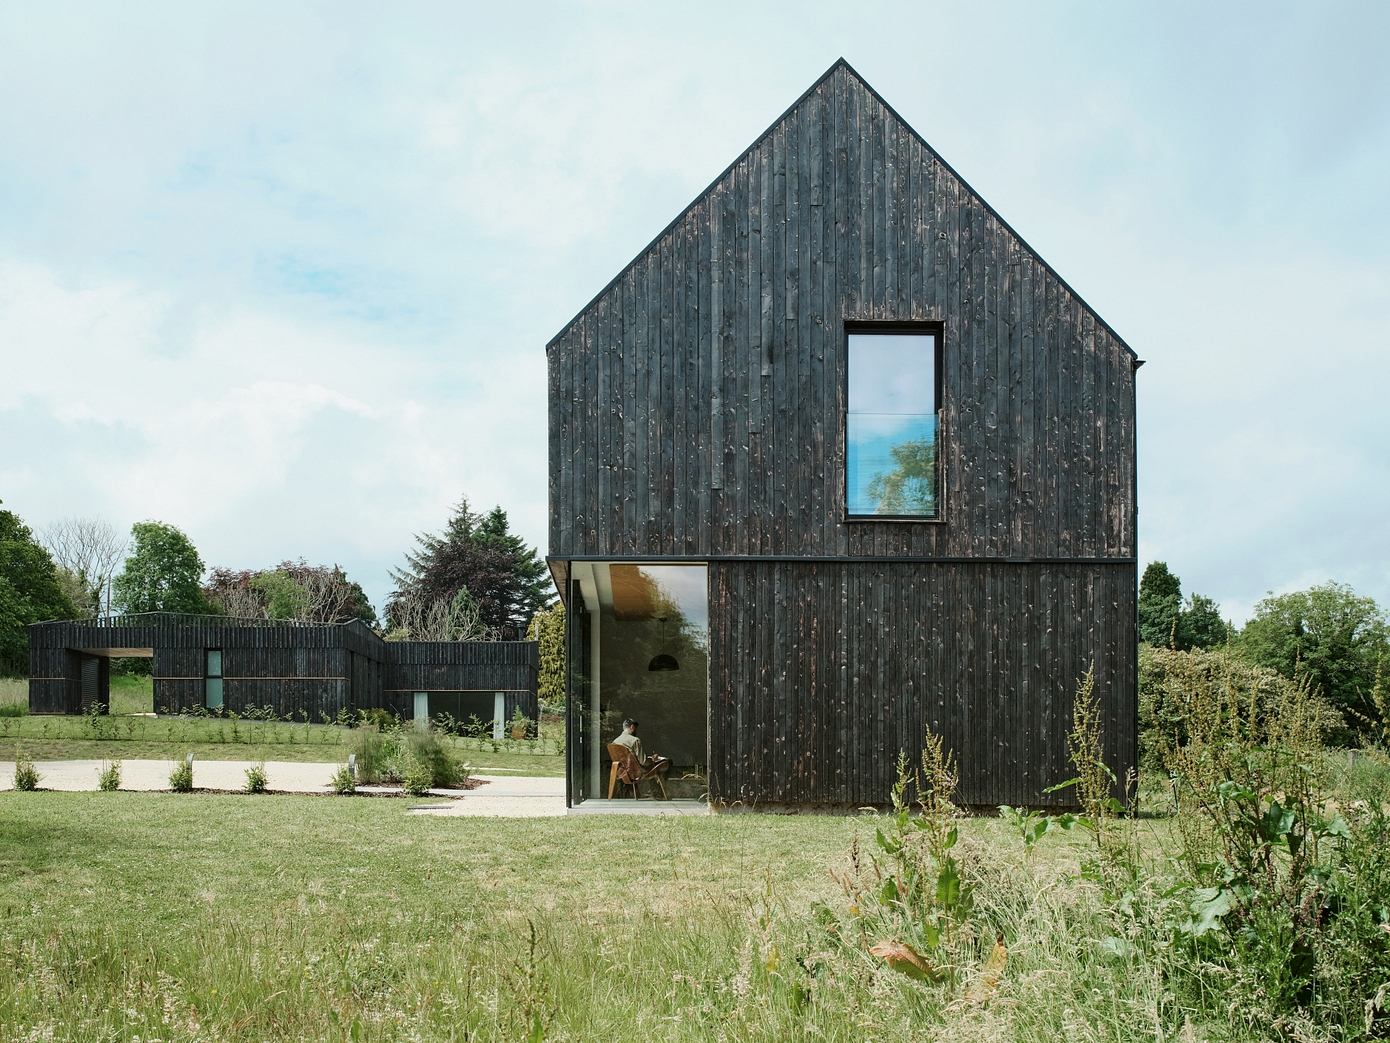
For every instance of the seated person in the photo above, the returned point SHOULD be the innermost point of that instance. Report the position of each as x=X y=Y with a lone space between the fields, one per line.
x=628 y=738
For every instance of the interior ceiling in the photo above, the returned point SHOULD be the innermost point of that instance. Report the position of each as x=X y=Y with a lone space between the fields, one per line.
x=634 y=595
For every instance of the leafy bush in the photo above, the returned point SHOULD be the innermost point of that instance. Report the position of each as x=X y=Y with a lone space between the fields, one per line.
x=343 y=781
x=1288 y=902
x=26 y=778
x=109 y=777
x=383 y=720
x=256 y=778
x=181 y=778
x=1284 y=897
x=13 y=710
x=416 y=777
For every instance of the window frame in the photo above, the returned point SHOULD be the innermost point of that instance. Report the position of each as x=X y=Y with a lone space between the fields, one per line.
x=937 y=330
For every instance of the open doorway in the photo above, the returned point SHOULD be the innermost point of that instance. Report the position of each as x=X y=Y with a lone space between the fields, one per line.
x=639 y=650
x=120 y=679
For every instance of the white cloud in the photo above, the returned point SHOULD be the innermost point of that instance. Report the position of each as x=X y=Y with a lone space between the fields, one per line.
x=305 y=259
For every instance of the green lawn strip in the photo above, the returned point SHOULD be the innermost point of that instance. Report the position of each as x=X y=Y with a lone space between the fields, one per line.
x=96 y=749
x=43 y=737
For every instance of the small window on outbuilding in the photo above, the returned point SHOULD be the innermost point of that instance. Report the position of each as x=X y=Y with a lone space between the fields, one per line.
x=892 y=466
x=212 y=680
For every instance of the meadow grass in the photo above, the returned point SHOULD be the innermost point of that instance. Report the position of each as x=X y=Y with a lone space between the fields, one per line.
x=234 y=918
x=158 y=916
x=129 y=693
x=14 y=691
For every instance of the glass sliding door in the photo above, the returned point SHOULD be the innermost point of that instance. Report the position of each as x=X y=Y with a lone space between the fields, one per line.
x=638 y=651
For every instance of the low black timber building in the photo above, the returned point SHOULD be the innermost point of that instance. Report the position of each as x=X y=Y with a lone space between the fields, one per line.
x=293 y=668
x=874 y=453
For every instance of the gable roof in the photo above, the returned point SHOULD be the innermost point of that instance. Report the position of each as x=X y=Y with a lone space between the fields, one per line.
x=841 y=63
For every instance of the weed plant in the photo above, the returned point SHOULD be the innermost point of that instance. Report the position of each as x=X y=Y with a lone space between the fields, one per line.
x=109 y=777
x=26 y=778
x=181 y=777
x=256 y=778
x=343 y=782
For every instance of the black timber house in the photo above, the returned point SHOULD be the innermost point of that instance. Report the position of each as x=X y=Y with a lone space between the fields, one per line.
x=838 y=458
x=294 y=669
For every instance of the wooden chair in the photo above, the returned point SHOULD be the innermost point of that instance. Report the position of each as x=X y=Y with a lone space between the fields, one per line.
x=625 y=760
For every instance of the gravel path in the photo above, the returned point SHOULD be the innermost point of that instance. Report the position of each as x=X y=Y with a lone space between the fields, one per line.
x=519 y=796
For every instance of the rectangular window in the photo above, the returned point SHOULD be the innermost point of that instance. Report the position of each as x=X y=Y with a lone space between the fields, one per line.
x=891 y=424
x=212 y=682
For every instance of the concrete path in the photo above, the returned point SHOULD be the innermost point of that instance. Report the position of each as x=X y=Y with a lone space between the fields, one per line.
x=507 y=796
x=499 y=794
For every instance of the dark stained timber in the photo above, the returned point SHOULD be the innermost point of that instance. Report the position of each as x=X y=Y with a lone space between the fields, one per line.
x=302 y=670
x=720 y=386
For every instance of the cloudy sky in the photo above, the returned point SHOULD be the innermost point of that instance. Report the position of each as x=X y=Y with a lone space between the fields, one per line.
x=283 y=274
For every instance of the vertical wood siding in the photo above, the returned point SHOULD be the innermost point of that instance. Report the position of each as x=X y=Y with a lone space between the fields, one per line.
x=292 y=668
x=696 y=410
x=696 y=405
x=821 y=672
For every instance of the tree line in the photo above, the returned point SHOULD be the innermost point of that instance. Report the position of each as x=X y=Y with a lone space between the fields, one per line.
x=1328 y=638
x=474 y=580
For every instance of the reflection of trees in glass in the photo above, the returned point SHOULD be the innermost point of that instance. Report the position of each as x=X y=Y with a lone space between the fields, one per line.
x=910 y=487
x=650 y=619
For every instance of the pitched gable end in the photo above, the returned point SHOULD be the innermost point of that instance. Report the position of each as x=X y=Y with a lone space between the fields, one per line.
x=872 y=164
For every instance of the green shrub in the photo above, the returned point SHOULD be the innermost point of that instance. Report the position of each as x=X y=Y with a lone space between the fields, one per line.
x=255 y=778
x=26 y=779
x=343 y=781
x=13 y=710
x=428 y=749
x=383 y=720
x=181 y=778
x=417 y=778
x=377 y=752
x=109 y=777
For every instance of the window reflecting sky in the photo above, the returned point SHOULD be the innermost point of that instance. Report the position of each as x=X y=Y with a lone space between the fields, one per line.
x=892 y=400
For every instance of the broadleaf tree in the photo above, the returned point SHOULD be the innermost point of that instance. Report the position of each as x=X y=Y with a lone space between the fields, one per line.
x=1330 y=637
x=163 y=573
x=292 y=590
x=30 y=591
x=910 y=487
x=547 y=629
x=1160 y=603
